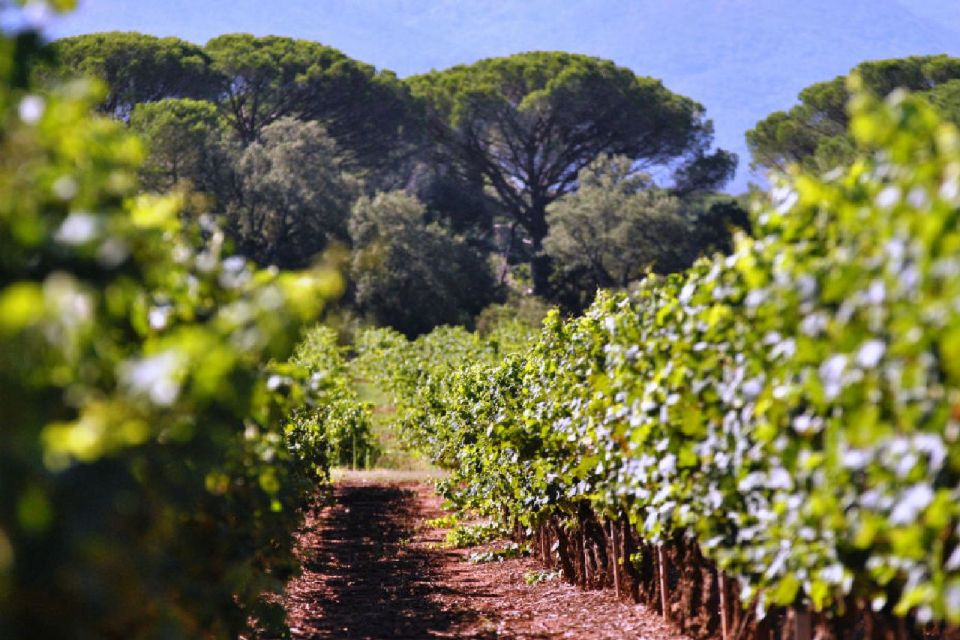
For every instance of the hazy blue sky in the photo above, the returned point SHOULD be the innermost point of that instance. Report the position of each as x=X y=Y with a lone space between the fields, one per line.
x=741 y=58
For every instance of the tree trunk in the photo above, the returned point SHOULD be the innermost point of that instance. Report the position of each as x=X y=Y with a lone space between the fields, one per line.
x=540 y=267
x=540 y=264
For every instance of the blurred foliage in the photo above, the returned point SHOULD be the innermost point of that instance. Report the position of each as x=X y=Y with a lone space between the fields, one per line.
x=150 y=483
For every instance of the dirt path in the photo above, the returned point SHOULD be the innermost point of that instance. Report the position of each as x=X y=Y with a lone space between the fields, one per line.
x=372 y=569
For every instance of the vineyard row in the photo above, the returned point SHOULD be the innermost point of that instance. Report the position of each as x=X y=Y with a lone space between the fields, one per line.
x=787 y=417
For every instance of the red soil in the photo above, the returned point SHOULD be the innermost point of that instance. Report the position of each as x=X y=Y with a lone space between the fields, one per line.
x=373 y=569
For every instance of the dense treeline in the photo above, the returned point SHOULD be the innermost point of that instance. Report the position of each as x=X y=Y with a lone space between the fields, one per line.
x=778 y=426
x=299 y=148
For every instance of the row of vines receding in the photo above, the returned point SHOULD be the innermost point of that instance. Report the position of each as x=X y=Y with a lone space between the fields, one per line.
x=769 y=441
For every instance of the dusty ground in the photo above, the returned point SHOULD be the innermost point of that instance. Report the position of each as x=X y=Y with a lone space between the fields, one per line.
x=373 y=569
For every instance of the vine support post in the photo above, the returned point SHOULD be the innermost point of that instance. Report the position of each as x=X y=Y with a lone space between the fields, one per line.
x=354 y=434
x=585 y=554
x=615 y=557
x=545 y=546
x=802 y=624
x=662 y=569
x=724 y=609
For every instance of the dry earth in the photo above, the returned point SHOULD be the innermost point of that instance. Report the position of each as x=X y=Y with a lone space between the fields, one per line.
x=374 y=569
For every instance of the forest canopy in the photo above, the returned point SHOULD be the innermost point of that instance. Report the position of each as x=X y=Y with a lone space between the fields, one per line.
x=815 y=133
x=529 y=123
x=283 y=136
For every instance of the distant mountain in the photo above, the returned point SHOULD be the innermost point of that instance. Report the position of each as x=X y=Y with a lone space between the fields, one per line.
x=741 y=58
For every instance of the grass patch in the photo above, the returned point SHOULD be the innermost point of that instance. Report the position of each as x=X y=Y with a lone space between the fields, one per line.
x=386 y=476
x=448 y=521
x=473 y=535
x=393 y=455
x=536 y=577
x=509 y=552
